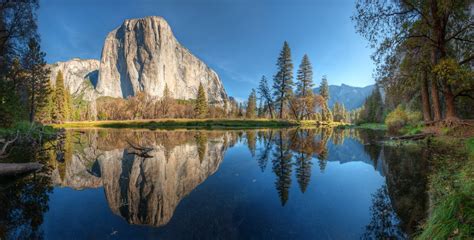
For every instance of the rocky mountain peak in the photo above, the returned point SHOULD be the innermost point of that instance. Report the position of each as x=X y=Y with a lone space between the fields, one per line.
x=143 y=55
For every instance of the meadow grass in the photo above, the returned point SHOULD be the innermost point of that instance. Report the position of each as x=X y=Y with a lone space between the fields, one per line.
x=183 y=123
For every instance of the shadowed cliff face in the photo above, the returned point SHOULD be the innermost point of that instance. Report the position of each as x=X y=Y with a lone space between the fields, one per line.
x=143 y=190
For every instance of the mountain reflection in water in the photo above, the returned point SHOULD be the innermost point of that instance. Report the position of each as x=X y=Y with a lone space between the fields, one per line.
x=146 y=174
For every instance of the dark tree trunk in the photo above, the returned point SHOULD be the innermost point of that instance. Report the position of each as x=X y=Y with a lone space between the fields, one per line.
x=270 y=108
x=32 y=102
x=439 y=29
x=425 y=98
x=450 y=107
x=435 y=100
x=281 y=106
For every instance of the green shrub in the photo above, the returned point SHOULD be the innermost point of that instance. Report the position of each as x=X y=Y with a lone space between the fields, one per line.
x=401 y=117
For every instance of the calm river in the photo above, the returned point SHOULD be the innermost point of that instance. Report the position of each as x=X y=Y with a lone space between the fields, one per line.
x=238 y=184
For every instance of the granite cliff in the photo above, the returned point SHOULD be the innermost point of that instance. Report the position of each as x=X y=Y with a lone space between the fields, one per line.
x=141 y=55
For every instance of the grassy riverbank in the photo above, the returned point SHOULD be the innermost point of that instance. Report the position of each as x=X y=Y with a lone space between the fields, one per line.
x=26 y=128
x=451 y=188
x=196 y=124
x=183 y=123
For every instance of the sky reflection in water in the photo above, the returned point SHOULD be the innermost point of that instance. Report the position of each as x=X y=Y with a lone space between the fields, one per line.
x=278 y=184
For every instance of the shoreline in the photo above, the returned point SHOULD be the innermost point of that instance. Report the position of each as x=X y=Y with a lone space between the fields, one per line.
x=181 y=124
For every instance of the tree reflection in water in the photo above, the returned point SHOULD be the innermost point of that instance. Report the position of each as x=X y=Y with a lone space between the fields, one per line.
x=25 y=200
x=384 y=222
x=146 y=191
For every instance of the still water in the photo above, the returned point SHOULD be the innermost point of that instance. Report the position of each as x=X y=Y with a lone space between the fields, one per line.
x=249 y=184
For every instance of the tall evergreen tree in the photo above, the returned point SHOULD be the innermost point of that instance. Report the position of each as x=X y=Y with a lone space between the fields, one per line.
x=324 y=88
x=304 y=88
x=201 y=107
x=11 y=107
x=326 y=114
x=60 y=110
x=166 y=102
x=251 y=105
x=305 y=78
x=37 y=78
x=265 y=95
x=283 y=80
x=373 y=107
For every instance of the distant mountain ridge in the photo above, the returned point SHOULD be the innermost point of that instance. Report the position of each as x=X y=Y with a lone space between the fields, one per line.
x=351 y=97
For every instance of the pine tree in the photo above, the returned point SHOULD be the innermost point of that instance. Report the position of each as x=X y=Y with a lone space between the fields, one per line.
x=304 y=85
x=373 y=107
x=336 y=112
x=283 y=80
x=10 y=102
x=47 y=113
x=260 y=110
x=324 y=92
x=251 y=105
x=69 y=104
x=324 y=88
x=201 y=107
x=37 y=79
x=265 y=95
x=166 y=102
x=240 y=112
x=60 y=110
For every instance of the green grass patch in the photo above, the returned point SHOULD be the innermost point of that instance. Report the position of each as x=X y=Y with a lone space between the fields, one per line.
x=412 y=129
x=451 y=186
x=470 y=145
x=27 y=128
x=184 y=123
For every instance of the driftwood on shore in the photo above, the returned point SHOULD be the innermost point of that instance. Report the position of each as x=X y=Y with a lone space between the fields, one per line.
x=12 y=169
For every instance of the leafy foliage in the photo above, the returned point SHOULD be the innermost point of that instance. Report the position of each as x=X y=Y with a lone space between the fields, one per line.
x=400 y=117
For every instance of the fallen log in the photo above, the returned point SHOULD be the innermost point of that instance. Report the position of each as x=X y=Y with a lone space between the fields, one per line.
x=413 y=137
x=12 y=169
x=3 y=150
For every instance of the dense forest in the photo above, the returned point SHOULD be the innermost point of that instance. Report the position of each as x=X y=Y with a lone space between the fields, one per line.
x=424 y=58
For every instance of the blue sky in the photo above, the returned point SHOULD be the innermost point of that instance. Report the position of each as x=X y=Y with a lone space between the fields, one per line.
x=239 y=39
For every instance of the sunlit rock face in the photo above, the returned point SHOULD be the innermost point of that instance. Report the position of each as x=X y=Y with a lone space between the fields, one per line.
x=144 y=191
x=76 y=175
x=80 y=76
x=143 y=55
